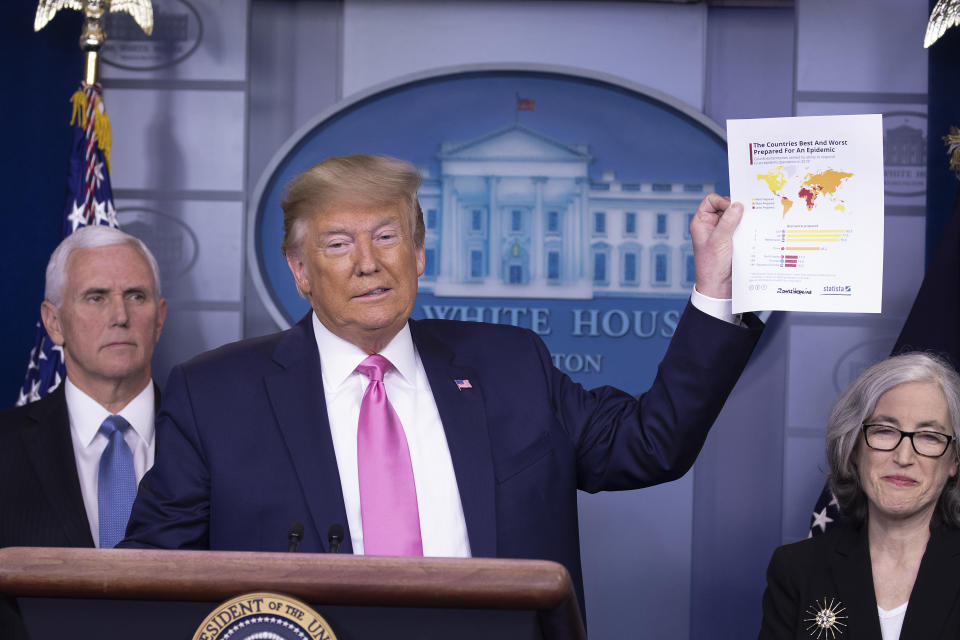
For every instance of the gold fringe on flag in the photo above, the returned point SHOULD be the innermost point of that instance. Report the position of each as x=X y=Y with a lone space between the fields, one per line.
x=102 y=133
x=952 y=140
x=79 y=101
x=101 y=130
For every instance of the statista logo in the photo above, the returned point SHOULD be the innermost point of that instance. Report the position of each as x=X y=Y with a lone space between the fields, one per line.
x=838 y=288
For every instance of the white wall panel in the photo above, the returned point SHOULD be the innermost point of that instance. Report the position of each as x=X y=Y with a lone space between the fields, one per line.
x=198 y=245
x=740 y=83
x=626 y=538
x=903 y=264
x=824 y=359
x=640 y=42
x=804 y=472
x=166 y=139
x=861 y=46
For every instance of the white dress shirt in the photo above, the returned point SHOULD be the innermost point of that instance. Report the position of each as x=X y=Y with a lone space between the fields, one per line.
x=443 y=529
x=86 y=416
x=719 y=308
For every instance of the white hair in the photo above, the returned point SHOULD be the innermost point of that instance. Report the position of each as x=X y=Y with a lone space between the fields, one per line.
x=855 y=406
x=90 y=237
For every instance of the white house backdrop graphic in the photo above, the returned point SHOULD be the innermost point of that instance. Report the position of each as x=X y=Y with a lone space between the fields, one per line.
x=514 y=213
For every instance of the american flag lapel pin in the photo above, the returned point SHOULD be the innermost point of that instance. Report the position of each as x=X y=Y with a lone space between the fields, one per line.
x=463 y=384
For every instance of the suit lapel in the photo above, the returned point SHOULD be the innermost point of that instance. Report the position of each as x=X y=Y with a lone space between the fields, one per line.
x=157 y=396
x=935 y=593
x=852 y=573
x=297 y=398
x=464 y=421
x=49 y=448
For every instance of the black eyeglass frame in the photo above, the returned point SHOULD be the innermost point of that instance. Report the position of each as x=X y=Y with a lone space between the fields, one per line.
x=905 y=434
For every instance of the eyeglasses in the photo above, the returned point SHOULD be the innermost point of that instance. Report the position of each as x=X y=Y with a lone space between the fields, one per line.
x=884 y=437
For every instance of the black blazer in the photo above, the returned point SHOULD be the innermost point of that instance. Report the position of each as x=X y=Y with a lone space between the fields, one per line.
x=41 y=504
x=40 y=496
x=835 y=567
x=40 y=500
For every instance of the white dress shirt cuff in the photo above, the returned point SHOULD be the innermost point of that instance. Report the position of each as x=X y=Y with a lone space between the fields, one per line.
x=719 y=308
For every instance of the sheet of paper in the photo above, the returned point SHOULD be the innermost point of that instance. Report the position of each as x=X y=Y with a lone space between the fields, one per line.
x=811 y=238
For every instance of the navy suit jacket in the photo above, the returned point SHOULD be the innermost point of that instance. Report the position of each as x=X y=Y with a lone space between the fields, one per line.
x=836 y=567
x=246 y=448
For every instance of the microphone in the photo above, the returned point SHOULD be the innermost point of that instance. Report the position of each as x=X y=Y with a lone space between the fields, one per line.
x=335 y=537
x=294 y=536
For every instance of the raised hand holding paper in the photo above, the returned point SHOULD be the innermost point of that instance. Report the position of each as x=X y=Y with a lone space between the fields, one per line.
x=811 y=237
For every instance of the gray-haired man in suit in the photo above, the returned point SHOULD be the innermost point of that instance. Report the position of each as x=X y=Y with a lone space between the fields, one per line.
x=102 y=305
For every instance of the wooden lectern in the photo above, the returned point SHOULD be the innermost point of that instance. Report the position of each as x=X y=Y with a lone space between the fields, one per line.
x=116 y=593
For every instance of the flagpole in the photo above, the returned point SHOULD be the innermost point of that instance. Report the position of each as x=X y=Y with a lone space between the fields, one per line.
x=93 y=37
x=90 y=69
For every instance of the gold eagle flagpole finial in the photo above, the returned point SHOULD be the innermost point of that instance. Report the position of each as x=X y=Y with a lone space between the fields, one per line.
x=93 y=35
x=952 y=140
x=945 y=14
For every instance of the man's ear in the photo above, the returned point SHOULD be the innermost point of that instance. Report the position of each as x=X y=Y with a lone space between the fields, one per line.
x=421 y=260
x=299 y=271
x=51 y=322
x=161 y=317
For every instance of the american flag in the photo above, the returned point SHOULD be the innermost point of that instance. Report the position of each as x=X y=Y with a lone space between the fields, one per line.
x=89 y=201
x=463 y=384
x=826 y=513
x=525 y=104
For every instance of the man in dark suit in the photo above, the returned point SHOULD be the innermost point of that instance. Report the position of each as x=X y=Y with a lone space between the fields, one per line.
x=102 y=305
x=434 y=437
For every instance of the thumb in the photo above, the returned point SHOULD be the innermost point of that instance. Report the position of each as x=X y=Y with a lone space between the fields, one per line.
x=728 y=222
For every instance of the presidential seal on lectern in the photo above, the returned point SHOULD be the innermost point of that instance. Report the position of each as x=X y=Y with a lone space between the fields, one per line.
x=268 y=616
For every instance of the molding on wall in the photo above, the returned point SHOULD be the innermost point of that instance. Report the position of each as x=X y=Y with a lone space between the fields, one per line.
x=160 y=83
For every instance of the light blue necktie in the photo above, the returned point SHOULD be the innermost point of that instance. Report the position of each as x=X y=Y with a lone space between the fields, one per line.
x=117 y=485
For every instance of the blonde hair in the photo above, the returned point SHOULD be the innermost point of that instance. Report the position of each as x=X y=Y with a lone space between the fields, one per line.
x=364 y=180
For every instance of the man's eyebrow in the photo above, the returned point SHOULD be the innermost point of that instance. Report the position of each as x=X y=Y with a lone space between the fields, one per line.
x=102 y=291
x=385 y=222
x=135 y=289
x=395 y=221
x=333 y=231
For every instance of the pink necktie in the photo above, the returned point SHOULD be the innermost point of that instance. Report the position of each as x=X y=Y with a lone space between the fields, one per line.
x=388 y=495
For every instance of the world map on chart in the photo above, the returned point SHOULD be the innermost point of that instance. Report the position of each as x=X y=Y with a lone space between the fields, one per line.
x=792 y=186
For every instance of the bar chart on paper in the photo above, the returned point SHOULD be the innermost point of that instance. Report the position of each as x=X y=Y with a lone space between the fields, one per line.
x=811 y=237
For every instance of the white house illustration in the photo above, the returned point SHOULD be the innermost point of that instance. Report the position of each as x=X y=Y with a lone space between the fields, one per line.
x=515 y=214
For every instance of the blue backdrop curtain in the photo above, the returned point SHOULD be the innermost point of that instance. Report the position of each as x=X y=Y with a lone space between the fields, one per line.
x=43 y=70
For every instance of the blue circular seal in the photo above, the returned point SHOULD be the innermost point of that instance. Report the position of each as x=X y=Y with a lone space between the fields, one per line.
x=264 y=616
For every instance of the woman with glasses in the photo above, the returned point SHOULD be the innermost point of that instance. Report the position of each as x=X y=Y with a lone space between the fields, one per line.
x=894 y=571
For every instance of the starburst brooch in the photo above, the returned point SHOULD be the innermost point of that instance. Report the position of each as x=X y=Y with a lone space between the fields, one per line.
x=826 y=621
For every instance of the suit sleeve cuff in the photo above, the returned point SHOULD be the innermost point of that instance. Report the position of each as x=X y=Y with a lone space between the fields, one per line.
x=719 y=308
